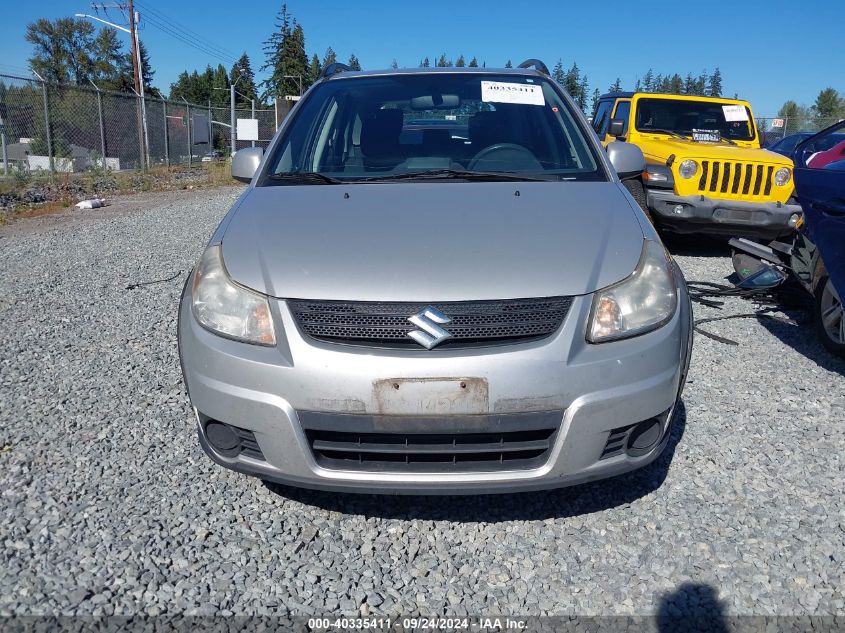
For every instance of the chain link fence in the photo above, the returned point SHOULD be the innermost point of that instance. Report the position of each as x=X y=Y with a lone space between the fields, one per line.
x=64 y=128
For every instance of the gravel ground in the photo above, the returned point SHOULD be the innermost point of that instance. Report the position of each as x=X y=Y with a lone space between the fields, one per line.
x=109 y=505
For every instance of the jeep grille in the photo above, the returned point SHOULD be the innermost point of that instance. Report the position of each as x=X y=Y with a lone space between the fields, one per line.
x=736 y=180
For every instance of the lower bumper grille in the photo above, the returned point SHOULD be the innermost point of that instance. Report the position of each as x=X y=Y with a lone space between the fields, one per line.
x=422 y=444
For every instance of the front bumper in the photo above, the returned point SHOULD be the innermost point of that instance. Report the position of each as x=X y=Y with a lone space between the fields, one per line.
x=595 y=389
x=736 y=218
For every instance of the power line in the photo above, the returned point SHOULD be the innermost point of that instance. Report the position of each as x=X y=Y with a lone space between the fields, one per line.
x=165 y=28
x=187 y=33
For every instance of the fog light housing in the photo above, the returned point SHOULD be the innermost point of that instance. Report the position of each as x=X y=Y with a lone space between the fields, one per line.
x=794 y=219
x=678 y=209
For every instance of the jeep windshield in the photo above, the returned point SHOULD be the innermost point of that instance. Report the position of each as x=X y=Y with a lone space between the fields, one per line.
x=462 y=126
x=695 y=119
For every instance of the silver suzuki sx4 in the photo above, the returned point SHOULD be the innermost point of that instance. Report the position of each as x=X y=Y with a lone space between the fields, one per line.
x=435 y=283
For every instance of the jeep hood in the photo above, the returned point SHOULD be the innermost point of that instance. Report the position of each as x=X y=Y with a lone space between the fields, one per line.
x=712 y=151
x=452 y=241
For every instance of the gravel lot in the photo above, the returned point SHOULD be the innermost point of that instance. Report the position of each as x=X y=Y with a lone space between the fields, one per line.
x=110 y=506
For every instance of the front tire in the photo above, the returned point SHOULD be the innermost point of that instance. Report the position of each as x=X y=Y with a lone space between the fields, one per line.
x=829 y=317
x=638 y=192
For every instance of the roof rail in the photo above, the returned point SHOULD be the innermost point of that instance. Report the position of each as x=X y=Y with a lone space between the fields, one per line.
x=333 y=69
x=535 y=63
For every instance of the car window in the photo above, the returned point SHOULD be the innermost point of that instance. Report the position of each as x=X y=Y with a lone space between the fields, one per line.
x=731 y=121
x=623 y=111
x=601 y=119
x=403 y=124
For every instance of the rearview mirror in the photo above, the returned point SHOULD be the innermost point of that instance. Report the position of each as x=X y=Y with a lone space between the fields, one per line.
x=245 y=163
x=766 y=277
x=627 y=159
x=617 y=127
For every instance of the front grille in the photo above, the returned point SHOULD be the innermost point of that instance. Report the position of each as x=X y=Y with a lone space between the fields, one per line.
x=421 y=444
x=472 y=322
x=736 y=180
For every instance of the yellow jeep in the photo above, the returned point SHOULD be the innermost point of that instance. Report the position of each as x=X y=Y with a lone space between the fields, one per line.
x=706 y=172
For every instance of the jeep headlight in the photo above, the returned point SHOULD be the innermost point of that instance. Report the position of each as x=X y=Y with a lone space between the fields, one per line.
x=226 y=308
x=688 y=168
x=641 y=303
x=782 y=176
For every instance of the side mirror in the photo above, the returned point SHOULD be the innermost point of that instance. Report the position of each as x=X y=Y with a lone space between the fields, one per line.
x=245 y=163
x=627 y=159
x=617 y=127
x=763 y=279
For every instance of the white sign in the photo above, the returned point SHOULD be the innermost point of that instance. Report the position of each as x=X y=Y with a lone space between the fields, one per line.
x=777 y=122
x=502 y=92
x=292 y=97
x=247 y=130
x=735 y=113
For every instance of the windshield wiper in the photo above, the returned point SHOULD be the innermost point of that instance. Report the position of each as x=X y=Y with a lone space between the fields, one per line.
x=658 y=130
x=304 y=177
x=458 y=174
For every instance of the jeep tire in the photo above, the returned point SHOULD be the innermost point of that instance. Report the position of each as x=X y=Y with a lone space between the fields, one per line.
x=638 y=191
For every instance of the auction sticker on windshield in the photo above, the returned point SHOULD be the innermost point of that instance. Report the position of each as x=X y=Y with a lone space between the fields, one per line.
x=505 y=92
x=735 y=113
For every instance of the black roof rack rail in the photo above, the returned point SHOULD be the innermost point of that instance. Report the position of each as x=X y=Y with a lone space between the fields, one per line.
x=535 y=63
x=333 y=69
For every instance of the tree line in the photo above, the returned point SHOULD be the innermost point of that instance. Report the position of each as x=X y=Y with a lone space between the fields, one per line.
x=828 y=108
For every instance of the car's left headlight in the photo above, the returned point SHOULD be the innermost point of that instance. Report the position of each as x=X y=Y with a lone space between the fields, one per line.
x=782 y=176
x=638 y=304
x=226 y=308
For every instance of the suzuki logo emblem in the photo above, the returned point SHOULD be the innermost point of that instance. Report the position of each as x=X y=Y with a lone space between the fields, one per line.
x=430 y=333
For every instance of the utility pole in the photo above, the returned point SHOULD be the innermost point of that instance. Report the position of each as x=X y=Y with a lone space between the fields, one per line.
x=139 y=84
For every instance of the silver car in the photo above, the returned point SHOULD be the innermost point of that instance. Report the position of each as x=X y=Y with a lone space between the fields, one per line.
x=435 y=283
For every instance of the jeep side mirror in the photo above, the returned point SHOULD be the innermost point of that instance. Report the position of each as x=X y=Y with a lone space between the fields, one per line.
x=245 y=163
x=627 y=159
x=617 y=127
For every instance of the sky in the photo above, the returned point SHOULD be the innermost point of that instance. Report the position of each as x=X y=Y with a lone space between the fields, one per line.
x=768 y=51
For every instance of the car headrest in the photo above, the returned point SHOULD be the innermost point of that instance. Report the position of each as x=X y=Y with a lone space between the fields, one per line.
x=380 y=132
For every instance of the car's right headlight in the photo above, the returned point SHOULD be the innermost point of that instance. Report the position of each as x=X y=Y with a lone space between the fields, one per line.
x=226 y=308
x=638 y=304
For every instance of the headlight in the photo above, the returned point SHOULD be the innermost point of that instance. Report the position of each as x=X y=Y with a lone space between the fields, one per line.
x=636 y=305
x=688 y=168
x=226 y=308
x=782 y=176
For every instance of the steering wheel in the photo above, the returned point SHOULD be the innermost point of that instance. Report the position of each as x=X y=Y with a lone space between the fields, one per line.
x=505 y=157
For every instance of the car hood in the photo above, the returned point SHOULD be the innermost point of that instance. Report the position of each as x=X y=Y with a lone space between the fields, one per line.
x=719 y=151
x=453 y=241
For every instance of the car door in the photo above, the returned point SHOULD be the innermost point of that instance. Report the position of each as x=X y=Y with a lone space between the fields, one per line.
x=821 y=192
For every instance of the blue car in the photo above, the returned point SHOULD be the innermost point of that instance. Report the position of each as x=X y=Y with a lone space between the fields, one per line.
x=815 y=256
x=821 y=192
x=786 y=146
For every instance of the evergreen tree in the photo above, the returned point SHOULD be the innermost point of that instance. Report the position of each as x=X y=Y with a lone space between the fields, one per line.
x=583 y=91
x=442 y=62
x=285 y=55
x=473 y=63
x=112 y=65
x=572 y=82
x=220 y=93
x=395 y=64
x=509 y=64
x=330 y=57
x=314 y=70
x=353 y=62
x=244 y=79
x=616 y=86
x=557 y=72
x=425 y=63
x=595 y=101
x=701 y=83
x=715 y=88
x=689 y=85
x=676 y=84
x=648 y=81
x=461 y=62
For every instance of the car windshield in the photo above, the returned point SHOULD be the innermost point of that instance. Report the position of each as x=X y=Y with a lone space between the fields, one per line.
x=696 y=119
x=461 y=126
